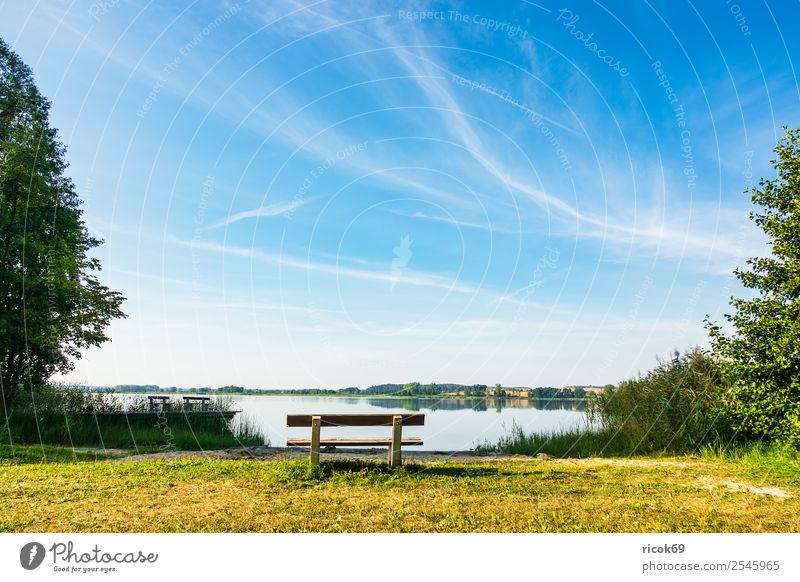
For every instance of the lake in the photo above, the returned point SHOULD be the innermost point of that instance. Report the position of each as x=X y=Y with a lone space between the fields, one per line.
x=451 y=424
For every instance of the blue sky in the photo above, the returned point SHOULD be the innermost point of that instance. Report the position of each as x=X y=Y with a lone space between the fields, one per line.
x=328 y=194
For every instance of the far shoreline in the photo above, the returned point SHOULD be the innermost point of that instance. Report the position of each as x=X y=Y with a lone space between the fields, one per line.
x=373 y=396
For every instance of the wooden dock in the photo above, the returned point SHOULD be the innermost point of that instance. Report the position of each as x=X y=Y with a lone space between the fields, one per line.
x=226 y=414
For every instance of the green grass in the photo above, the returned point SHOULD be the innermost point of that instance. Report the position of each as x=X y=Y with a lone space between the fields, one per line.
x=587 y=443
x=758 y=456
x=676 y=494
x=23 y=455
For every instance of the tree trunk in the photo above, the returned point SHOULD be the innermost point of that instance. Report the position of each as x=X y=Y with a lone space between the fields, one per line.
x=9 y=382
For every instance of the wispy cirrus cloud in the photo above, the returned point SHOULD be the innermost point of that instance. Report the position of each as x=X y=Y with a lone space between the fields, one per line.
x=253 y=306
x=674 y=237
x=414 y=278
x=267 y=210
x=494 y=227
x=318 y=137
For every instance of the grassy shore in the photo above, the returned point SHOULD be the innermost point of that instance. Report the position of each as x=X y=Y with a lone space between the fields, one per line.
x=140 y=432
x=684 y=494
x=70 y=418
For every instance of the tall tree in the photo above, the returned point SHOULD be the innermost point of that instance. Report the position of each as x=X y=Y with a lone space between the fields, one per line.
x=762 y=354
x=51 y=303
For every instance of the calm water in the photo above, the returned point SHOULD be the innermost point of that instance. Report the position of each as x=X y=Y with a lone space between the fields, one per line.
x=450 y=424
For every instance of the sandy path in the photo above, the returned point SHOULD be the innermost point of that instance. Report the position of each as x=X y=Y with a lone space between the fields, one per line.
x=283 y=453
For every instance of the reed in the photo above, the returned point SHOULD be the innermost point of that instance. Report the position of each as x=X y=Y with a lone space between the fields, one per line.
x=71 y=418
x=678 y=407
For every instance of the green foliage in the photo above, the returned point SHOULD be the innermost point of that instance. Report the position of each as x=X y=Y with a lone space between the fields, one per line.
x=165 y=432
x=573 y=443
x=52 y=398
x=762 y=354
x=408 y=389
x=678 y=406
x=51 y=304
x=549 y=393
x=476 y=391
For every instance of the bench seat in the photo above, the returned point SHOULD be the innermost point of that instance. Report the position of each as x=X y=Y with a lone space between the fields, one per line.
x=408 y=419
x=353 y=442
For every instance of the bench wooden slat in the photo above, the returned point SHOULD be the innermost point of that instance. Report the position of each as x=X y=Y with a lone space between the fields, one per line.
x=353 y=442
x=304 y=420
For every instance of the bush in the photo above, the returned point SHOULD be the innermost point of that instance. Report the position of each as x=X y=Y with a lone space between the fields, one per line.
x=761 y=353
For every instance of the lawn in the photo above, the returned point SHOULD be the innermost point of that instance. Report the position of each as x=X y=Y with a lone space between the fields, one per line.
x=584 y=495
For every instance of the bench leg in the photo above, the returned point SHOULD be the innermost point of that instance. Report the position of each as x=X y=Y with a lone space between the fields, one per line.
x=397 y=439
x=315 y=424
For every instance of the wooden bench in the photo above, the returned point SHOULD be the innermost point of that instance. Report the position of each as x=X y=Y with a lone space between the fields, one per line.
x=203 y=401
x=156 y=401
x=317 y=421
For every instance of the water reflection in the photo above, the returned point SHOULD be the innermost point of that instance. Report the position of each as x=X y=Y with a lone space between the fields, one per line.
x=451 y=424
x=415 y=403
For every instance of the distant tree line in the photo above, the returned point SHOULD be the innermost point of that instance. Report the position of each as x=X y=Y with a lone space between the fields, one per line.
x=409 y=389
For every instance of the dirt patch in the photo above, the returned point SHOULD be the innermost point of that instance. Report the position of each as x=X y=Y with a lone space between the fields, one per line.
x=737 y=487
x=645 y=463
x=110 y=453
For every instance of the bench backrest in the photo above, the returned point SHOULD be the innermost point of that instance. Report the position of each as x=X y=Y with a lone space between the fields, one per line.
x=412 y=419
